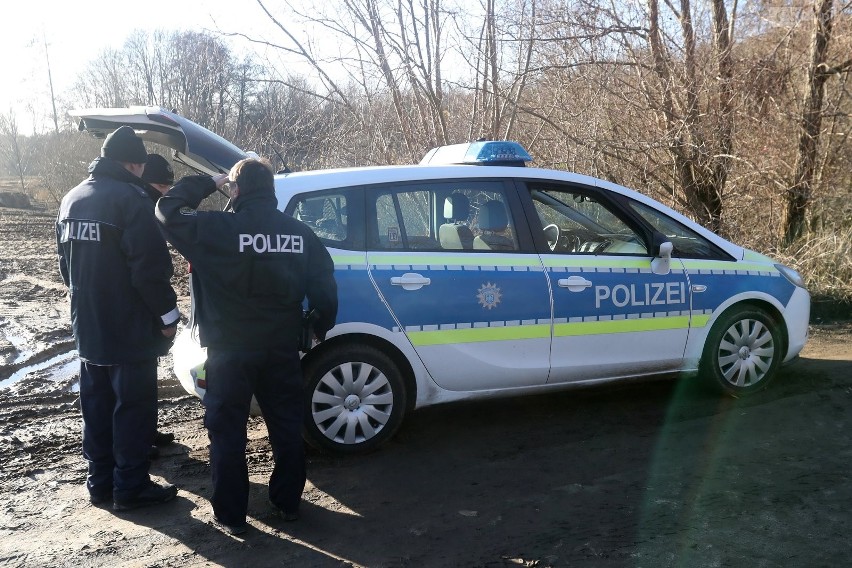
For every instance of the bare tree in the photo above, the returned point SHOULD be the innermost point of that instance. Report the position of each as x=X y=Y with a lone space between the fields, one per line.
x=800 y=194
x=12 y=146
x=503 y=55
x=406 y=57
x=50 y=84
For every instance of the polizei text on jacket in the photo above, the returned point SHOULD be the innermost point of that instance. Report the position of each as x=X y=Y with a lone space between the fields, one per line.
x=271 y=243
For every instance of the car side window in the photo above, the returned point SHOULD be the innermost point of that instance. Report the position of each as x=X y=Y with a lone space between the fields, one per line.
x=687 y=243
x=402 y=221
x=327 y=216
x=576 y=222
x=455 y=216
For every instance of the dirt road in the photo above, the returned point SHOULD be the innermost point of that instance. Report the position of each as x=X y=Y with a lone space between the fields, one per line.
x=646 y=475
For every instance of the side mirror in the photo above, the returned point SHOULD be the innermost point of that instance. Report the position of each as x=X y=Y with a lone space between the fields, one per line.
x=663 y=260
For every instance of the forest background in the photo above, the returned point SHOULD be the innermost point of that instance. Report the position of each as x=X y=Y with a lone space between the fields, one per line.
x=733 y=112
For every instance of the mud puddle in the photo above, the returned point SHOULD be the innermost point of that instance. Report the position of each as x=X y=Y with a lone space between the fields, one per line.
x=63 y=370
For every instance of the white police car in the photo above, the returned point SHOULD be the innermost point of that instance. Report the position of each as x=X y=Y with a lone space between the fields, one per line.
x=459 y=282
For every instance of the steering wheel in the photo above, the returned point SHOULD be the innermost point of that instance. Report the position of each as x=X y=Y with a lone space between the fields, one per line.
x=572 y=242
x=602 y=246
x=551 y=233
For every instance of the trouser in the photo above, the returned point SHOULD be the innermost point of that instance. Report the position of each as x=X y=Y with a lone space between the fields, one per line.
x=119 y=405
x=274 y=377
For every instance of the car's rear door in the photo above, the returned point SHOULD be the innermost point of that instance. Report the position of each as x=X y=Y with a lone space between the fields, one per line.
x=477 y=311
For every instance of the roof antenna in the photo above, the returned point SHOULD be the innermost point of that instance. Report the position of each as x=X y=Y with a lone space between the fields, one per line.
x=285 y=169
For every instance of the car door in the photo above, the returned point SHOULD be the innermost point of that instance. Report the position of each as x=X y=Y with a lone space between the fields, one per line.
x=469 y=292
x=617 y=311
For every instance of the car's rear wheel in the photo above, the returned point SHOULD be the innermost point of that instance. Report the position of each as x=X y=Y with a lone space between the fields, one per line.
x=356 y=399
x=743 y=351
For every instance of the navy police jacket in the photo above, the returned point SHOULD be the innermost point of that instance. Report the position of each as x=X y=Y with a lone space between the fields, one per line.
x=251 y=269
x=117 y=267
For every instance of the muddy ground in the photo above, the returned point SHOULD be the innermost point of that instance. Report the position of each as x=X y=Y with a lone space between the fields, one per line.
x=646 y=475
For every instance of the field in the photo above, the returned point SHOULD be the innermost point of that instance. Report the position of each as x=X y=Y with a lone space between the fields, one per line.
x=647 y=475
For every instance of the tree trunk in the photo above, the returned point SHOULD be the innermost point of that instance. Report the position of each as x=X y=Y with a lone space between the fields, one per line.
x=800 y=194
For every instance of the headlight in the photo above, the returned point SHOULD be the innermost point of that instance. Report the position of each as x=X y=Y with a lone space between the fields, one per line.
x=794 y=277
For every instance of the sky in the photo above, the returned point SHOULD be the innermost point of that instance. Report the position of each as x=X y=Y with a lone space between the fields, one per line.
x=77 y=31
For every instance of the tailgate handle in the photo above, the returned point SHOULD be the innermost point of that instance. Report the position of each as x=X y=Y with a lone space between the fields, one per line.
x=410 y=281
x=574 y=283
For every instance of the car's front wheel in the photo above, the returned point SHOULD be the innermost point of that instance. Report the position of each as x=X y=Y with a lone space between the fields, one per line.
x=743 y=351
x=356 y=399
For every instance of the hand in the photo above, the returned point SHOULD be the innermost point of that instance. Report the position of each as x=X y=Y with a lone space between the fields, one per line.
x=169 y=331
x=220 y=180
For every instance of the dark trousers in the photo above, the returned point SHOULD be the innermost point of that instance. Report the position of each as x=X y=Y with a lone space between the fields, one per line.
x=274 y=377
x=119 y=405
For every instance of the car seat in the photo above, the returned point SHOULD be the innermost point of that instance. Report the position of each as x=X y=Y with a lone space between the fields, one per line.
x=455 y=235
x=492 y=219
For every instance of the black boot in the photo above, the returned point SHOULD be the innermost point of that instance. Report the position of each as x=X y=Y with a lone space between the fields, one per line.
x=163 y=438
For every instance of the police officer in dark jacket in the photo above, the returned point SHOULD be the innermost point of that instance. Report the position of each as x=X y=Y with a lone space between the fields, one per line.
x=253 y=269
x=158 y=177
x=115 y=262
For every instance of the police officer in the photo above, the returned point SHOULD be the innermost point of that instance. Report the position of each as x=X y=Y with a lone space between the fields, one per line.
x=158 y=177
x=252 y=268
x=115 y=262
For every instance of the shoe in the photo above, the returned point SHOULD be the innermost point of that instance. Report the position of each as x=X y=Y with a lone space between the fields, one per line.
x=153 y=452
x=152 y=494
x=287 y=516
x=163 y=438
x=231 y=529
x=100 y=497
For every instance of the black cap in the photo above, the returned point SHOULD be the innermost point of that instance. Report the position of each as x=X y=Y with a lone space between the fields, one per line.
x=158 y=170
x=124 y=146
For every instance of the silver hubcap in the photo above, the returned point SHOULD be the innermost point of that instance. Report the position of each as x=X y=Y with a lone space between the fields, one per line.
x=746 y=353
x=352 y=403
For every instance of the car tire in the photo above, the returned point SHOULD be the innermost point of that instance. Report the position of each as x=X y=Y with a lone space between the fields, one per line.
x=743 y=352
x=356 y=399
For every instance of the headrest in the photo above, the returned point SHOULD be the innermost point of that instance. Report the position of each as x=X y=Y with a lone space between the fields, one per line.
x=456 y=207
x=311 y=209
x=492 y=216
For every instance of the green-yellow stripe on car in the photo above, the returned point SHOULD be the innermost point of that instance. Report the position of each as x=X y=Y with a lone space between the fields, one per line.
x=347 y=259
x=478 y=335
x=620 y=326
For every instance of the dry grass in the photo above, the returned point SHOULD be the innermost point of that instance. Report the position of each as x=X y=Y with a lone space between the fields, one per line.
x=33 y=188
x=825 y=261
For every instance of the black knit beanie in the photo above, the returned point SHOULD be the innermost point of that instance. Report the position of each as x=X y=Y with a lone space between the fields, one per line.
x=158 y=170
x=124 y=146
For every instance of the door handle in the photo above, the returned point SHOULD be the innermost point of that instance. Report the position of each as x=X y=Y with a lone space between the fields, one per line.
x=410 y=281
x=574 y=283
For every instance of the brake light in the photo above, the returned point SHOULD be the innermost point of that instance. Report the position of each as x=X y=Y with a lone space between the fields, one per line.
x=163 y=118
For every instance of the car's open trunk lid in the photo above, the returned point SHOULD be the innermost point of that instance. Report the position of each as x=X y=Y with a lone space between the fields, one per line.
x=192 y=144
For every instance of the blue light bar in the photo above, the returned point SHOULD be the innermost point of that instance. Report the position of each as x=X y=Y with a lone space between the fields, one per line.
x=482 y=153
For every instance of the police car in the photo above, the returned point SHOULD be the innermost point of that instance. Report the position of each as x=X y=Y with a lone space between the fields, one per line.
x=469 y=276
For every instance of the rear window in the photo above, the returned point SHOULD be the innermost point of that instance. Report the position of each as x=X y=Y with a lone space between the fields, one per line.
x=441 y=215
x=327 y=214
